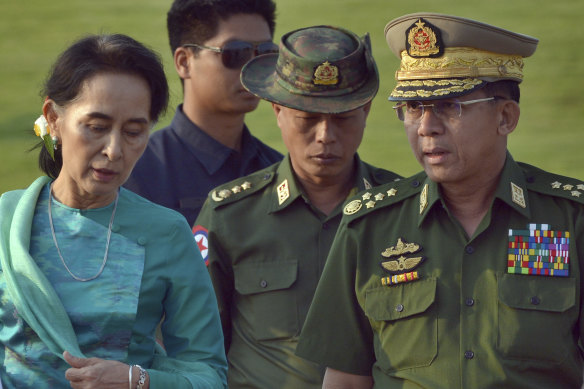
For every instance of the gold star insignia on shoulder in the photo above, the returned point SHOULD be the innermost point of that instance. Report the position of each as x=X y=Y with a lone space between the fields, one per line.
x=283 y=192
x=366 y=196
x=575 y=193
x=236 y=189
x=580 y=187
x=352 y=207
x=370 y=204
x=400 y=248
x=246 y=185
x=392 y=192
x=379 y=196
x=568 y=187
x=517 y=195
x=556 y=185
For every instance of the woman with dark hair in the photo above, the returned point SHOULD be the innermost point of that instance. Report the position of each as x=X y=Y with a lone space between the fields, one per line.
x=89 y=269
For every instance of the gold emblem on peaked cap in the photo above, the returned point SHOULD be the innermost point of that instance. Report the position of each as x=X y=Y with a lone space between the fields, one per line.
x=283 y=192
x=326 y=74
x=353 y=207
x=424 y=40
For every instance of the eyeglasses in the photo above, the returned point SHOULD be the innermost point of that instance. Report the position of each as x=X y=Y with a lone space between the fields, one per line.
x=414 y=110
x=235 y=54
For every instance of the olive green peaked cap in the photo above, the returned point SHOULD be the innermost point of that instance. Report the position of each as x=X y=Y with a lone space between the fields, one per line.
x=447 y=56
x=320 y=69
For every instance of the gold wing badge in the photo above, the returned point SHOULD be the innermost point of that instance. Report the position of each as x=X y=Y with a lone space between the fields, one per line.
x=402 y=267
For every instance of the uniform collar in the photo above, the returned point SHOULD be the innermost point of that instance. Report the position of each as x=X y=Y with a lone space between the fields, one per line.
x=210 y=153
x=512 y=190
x=287 y=189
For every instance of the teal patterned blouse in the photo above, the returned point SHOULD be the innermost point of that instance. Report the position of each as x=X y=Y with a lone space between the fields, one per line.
x=115 y=315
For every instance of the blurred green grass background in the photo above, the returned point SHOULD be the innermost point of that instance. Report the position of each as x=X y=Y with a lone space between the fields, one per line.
x=34 y=32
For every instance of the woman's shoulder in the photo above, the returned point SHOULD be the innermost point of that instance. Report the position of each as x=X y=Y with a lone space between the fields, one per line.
x=144 y=214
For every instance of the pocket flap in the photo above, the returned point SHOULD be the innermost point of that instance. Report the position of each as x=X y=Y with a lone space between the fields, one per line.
x=400 y=301
x=554 y=294
x=263 y=277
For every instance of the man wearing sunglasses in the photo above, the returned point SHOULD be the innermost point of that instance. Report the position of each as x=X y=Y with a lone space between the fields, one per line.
x=470 y=273
x=269 y=233
x=207 y=142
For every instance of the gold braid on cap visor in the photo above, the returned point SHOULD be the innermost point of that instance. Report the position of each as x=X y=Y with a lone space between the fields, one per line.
x=459 y=69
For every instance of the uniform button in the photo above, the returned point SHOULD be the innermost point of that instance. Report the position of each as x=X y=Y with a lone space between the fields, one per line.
x=415 y=183
x=263 y=283
x=469 y=249
x=325 y=226
x=142 y=240
x=535 y=300
x=399 y=307
x=469 y=354
x=115 y=227
x=469 y=302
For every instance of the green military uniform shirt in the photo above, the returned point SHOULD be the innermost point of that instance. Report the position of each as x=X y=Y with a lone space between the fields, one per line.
x=408 y=298
x=267 y=246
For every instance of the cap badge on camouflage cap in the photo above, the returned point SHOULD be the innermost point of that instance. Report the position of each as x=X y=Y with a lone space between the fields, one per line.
x=424 y=40
x=326 y=74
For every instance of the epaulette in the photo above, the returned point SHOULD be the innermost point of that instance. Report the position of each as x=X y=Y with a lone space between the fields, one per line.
x=382 y=196
x=540 y=181
x=241 y=187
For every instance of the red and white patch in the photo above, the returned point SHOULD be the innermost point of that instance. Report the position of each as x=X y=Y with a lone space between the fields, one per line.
x=201 y=236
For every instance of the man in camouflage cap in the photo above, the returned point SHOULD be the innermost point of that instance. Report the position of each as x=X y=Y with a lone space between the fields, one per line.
x=469 y=274
x=269 y=233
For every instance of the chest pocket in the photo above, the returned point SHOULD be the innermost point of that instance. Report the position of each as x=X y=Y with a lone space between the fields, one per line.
x=404 y=320
x=536 y=317
x=267 y=306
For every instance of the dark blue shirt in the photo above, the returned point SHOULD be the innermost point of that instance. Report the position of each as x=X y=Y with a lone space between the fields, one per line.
x=182 y=164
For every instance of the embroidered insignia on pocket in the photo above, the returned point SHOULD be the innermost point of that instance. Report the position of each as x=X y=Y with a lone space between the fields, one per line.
x=539 y=250
x=401 y=267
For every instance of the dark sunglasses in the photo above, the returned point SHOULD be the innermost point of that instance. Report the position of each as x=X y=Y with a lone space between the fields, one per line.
x=235 y=54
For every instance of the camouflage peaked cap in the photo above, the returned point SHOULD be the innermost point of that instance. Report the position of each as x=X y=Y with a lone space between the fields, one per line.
x=447 y=56
x=318 y=69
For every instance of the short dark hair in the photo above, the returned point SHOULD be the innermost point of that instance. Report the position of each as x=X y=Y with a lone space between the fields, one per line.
x=95 y=54
x=505 y=88
x=196 y=21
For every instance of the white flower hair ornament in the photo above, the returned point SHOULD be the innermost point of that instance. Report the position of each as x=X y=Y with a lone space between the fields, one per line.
x=42 y=130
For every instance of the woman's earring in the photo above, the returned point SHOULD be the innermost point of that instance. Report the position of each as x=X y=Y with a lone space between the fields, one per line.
x=55 y=139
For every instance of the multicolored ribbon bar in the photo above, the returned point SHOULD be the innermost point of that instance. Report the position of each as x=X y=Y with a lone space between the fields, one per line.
x=400 y=278
x=539 y=251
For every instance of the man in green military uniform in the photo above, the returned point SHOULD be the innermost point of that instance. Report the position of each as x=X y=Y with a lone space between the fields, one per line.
x=469 y=274
x=269 y=233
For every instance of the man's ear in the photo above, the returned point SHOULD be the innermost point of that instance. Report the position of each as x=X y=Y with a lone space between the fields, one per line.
x=182 y=56
x=508 y=112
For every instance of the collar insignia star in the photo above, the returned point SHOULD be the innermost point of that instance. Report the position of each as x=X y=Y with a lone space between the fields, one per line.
x=576 y=193
x=379 y=196
x=392 y=192
x=366 y=196
x=556 y=185
x=246 y=185
x=236 y=189
x=370 y=204
x=568 y=187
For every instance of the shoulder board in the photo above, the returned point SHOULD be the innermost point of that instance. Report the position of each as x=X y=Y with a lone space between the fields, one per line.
x=241 y=187
x=382 y=196
x=540 y=181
